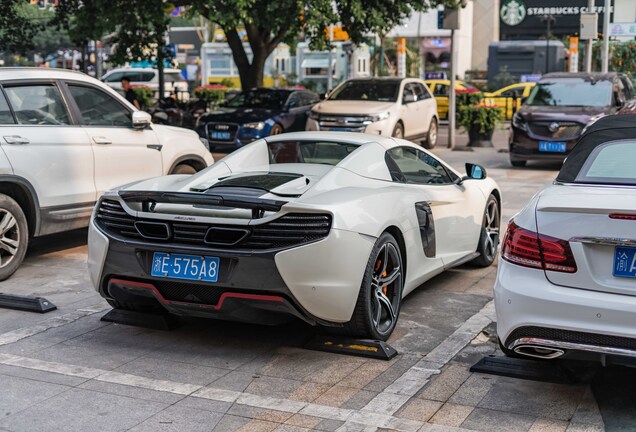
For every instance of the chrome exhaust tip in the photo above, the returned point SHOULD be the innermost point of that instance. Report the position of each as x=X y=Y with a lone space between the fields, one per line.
x=537 y=351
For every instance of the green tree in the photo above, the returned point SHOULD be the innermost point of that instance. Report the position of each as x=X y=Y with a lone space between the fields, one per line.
x=16 y=29
x=136 y=29
x=268 y=23
x=139 y=26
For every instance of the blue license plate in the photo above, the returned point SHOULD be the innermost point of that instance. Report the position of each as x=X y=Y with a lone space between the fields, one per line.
x=551 y=146
x=220 y=135
x=188 y=267
x=625 y=262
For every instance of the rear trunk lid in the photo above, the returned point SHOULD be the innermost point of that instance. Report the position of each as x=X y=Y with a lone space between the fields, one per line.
x=603 y=246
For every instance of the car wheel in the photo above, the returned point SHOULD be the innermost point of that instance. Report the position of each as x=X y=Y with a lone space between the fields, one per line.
x=489 y=237
x=14 y=236
x=398 y=131
x=380 y=297
x=518 y=163
x=431 y=135
x=276 y=130
x=184 y=169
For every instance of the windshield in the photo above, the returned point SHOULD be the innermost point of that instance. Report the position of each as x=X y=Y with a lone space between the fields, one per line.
x=316 y=152
x=258 y=99
x=571 y=92
x=367 y=90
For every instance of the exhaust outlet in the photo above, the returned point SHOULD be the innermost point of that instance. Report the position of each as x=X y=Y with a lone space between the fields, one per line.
x=537 y=351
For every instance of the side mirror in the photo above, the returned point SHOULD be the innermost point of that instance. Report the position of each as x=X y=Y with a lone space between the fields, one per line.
x=141 y=119
x=474 y=172
x=408 y=98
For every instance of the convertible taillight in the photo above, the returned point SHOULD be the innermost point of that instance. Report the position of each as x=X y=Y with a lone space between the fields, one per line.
x=530 y=249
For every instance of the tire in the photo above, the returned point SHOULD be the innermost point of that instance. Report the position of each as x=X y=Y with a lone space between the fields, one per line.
x=378 y=308
x=489 y=236
x=518 y=163
x=14 y=236
x=184 y=169
x=431 y=135
x=276 y=130
x=398 y=131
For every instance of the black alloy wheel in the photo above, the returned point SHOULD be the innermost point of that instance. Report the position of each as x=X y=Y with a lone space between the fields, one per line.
x=380 y=298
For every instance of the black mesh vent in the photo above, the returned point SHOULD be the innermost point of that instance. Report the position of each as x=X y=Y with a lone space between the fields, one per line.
x=189 y=292
x=290 y=230
x=572 y=336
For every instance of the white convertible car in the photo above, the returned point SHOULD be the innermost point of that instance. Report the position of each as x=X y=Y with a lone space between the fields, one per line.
x=566 y=282
x=332 y=228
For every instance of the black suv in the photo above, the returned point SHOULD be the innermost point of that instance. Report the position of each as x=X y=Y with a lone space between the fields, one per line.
x=559 y=107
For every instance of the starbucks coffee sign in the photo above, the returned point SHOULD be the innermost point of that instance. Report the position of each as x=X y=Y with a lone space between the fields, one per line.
x=513 y=12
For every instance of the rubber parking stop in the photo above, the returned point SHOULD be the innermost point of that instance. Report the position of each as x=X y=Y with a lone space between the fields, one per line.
x=534 y=370
x=141 y=319
x=24 y=303
x=357 y=347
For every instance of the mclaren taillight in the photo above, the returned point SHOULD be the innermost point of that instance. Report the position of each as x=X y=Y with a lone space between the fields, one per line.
x=530 y=249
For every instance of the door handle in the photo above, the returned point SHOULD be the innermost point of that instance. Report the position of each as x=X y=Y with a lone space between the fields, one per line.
x=16 y=139
x=101 y=140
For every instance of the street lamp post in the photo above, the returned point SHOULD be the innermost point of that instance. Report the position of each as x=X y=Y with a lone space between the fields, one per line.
x=549 y=19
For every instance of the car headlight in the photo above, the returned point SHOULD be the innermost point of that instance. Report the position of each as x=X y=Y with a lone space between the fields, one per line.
x=205 y=143
x=314 y=115
x=255 y=125
x=519 y=122
x=372 y=118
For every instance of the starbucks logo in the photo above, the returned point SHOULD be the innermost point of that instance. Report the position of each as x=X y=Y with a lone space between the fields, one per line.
x=513 y=12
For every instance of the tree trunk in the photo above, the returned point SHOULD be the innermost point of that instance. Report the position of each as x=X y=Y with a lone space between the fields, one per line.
x=251 y=74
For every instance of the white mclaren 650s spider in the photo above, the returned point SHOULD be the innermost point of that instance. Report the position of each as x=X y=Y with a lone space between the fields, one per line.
x=332 y=228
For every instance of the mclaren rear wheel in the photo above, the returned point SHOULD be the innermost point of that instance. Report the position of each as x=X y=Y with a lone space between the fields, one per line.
x=380 y=298
x=489 y=237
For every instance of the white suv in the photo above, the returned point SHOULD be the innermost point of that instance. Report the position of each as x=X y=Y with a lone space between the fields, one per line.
x=397 y=107
x=148 y=77
x=65 y=138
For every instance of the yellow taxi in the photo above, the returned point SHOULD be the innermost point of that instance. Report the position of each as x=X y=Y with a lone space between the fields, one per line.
x=439 y=88
x=509 y=98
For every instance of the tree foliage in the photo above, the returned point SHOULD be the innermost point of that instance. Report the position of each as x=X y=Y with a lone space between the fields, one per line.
x=17 y=30
x=139 y=26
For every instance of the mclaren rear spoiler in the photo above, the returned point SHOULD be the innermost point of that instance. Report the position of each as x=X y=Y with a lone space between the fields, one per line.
x=149 y=199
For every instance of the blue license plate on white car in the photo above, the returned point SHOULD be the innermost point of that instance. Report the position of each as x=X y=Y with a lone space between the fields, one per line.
x=552 y=146
x=220 y=135
x=625 y=262
x=188 y=267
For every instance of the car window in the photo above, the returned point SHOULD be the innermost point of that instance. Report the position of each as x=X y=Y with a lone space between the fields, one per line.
x=571 y=92
x=98 y=108
x=40 y=104
x=316 y=152
x=294 y=101
x=440 y=90
x=419 y=167
x=421 y=92
x=610 y=163
x=310 y=98
x=114 y=77
x=5 y=112
x=513 y=92
x=367 y=90
x=408 y=89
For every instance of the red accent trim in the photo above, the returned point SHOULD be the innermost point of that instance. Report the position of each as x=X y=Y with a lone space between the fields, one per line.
x=260 y=297
x=219 y=305
x=622 y=216
x=140 y=285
